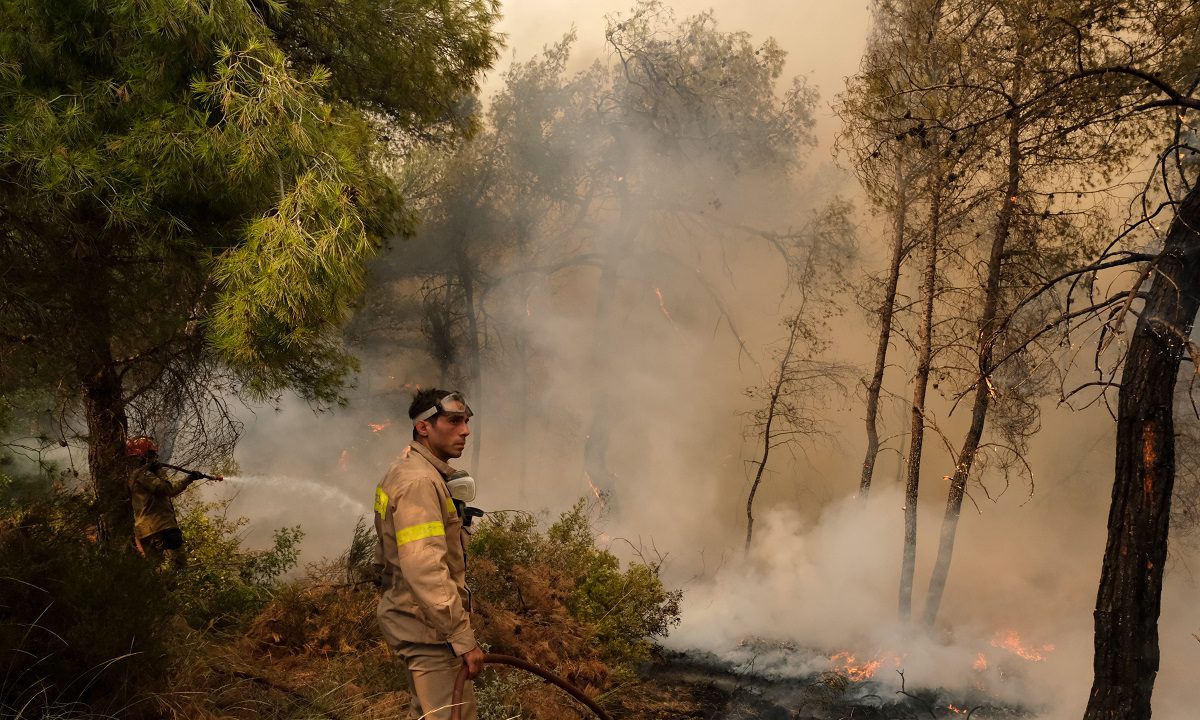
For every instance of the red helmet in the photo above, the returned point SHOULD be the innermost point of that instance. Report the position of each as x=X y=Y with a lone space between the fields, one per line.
x=140 y=445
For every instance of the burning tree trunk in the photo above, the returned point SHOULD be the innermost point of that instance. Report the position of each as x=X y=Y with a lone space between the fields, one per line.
x=887 y=309
x=983 y=389
x=1128 y=601
x=920 y=384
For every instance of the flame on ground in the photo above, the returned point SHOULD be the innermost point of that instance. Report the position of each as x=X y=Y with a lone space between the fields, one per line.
x=980 y=663
x=376 y=427
x=858 y=671
x=1009 y=640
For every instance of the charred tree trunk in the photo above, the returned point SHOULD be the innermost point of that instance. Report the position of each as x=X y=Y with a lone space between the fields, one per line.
x=920 y=385
x=983 y=392
x=887 y=309
x=1130 y=594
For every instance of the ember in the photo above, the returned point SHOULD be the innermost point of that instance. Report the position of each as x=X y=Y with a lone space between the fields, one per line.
x=662 y=305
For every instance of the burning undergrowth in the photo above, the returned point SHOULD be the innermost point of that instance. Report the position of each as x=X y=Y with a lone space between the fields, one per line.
x=763 y=678
x=807 y=623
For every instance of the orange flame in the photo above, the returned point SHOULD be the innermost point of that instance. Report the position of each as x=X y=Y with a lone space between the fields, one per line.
x=848 y=665
x=956 y=710
x=592 y=485
x=344 y=460
x=1009 y=640
x=980 y=663
x=376 y=427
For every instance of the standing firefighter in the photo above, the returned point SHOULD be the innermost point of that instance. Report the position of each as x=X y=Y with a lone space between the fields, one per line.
x=155 y=528
x=424 y=612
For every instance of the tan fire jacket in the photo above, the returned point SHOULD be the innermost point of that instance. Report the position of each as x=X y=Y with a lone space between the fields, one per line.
x=420 y=550
x=151 y=493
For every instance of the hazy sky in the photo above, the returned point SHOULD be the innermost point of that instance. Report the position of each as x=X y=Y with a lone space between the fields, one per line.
x=824 y=40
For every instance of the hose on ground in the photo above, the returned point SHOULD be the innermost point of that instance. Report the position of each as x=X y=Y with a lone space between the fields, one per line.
x=494 y=659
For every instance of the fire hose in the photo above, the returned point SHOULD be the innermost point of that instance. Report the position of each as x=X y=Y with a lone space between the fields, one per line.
x=205 y=476
x=493 y=659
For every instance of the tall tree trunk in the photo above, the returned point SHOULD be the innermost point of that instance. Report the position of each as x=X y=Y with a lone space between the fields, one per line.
x=979 y=408
x=887 y=309
x=920 y=384
x=466 y=277
x=1130 y=593
x=103 y=405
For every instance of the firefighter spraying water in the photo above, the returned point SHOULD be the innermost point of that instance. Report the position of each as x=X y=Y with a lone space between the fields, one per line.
x=156 y=530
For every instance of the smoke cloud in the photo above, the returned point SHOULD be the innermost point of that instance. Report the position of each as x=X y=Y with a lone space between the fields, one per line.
x=823 y=570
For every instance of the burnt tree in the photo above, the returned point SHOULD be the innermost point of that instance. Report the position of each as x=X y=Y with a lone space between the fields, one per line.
x=1130 y=594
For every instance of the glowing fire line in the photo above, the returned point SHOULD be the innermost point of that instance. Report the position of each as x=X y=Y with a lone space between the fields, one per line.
x=1009 y=640
x=848 y=665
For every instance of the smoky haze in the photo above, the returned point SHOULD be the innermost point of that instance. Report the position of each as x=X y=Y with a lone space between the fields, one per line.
x=694 y=319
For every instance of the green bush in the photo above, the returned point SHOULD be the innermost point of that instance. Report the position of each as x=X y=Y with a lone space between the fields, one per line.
x=221 y=584
x=622 y=611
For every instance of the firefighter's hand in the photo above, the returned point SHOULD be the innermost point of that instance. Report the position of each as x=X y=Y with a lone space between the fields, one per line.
x=474 y=662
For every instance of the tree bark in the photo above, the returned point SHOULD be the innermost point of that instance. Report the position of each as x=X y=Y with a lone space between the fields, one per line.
x=983 y=390
x=1130 y=593
x=920 y=385
x=103 y=405
x=887 y=309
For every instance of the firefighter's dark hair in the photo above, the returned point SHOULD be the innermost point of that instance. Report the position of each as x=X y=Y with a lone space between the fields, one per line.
x=422 y=401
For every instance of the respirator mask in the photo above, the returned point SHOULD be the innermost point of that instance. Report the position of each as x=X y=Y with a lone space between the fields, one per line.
x=461 y=486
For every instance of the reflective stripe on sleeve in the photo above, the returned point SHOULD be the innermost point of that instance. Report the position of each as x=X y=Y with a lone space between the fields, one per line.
x=450 y=506
x=381 y=502
x=420 y=532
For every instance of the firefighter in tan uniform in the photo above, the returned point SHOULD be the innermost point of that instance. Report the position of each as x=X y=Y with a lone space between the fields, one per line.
x=424 y=611
x=155 y=527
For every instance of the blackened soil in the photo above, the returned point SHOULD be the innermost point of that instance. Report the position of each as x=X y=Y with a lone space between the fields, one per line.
x=701 y=686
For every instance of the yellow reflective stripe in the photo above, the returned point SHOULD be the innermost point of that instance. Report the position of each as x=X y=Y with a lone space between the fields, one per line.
x=420 y=532
x=450 y=506
x=381 y=502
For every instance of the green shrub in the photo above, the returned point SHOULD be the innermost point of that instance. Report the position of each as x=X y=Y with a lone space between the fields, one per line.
x=223 y=585
x=620 y=611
